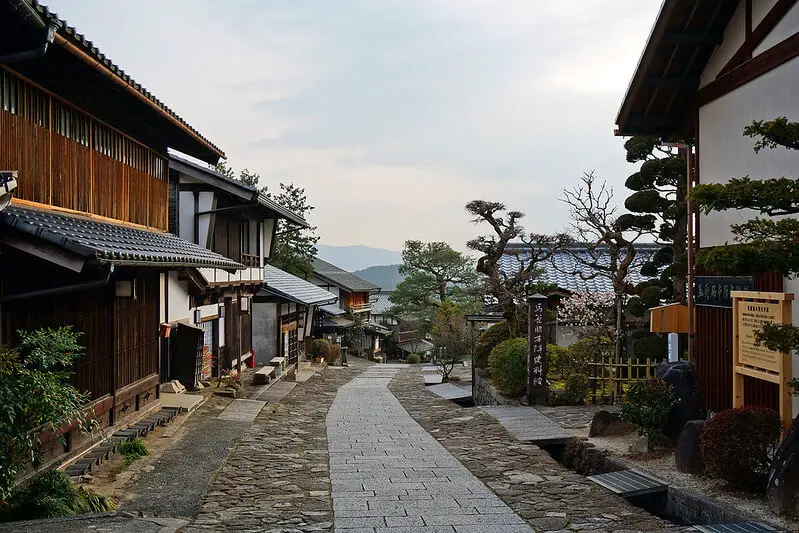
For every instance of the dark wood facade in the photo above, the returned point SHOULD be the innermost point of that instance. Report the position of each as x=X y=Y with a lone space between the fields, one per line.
x=68 y=159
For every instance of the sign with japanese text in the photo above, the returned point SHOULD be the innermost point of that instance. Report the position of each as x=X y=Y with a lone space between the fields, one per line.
x=715 y=291
x=537 y=358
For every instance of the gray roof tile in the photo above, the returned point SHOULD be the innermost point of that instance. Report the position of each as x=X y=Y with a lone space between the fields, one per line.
x=293 y=288
x=342 y=278
x=558 y=269
x=332 y=309
x=107 y=241
x=382 y=304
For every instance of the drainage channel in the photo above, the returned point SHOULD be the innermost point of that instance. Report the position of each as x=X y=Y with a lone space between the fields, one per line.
x=656 y=496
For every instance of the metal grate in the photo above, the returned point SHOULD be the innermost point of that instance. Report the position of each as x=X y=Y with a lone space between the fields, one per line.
x=738 y=528
x=629 y=483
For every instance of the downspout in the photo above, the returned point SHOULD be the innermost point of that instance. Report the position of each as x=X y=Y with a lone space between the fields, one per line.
x=61 y=290
x=34 y=53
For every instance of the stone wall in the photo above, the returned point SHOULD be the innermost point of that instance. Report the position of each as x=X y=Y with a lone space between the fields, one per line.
x=483 y=391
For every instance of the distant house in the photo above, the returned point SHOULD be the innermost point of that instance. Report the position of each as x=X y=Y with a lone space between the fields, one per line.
x=707 y=71
x=284 y=313
x=354 y=297
x=566 y=272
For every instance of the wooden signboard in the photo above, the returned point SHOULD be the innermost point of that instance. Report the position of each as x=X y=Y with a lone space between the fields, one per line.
x=750 y=311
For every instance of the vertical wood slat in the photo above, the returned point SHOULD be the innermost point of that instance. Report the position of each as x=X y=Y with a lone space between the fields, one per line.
x=714 y=337
x=136 y=332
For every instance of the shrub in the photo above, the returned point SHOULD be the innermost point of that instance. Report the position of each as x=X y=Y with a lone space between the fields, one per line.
x=576 y=389
x=133 y=450
x=51 y=494
x=557 y=356
x=487 y=341
x=318 y=347
x=651 y=346
x=332 y=353
x=508 y=363
x=737 y=445
x=647 y=407
x=582 y=352
x=414 y=359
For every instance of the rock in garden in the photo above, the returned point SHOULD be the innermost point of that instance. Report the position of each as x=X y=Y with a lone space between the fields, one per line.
x=688 y=455
x=606 y=423
x=682 y=376
x=641 y=445
x=783 y=481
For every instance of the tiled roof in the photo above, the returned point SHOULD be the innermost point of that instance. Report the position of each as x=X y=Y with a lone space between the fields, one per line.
x=235 y=187
x=292 y=288
x=382 y=304
x=110 y=242
x=337 y=322
x=416 y=346
x=558 y=269
x=342 y=278
x=89 y=48
x=332 y=309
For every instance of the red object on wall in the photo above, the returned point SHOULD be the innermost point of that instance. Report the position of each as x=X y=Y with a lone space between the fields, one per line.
x=251 y=363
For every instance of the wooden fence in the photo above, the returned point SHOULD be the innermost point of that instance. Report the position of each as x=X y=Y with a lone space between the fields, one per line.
x=609 y=379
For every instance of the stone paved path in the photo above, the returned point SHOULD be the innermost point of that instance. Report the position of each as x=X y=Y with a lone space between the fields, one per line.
x=390 y=475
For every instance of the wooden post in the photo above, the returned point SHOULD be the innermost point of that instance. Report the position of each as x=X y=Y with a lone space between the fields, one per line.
x=537 y=389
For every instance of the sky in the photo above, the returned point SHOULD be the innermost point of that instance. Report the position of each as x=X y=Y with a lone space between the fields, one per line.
x=393 y=114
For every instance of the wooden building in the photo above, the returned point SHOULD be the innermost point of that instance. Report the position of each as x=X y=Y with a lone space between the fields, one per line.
x=354 y=296
x=234 y=220
x=85 y=241
x=708 y=70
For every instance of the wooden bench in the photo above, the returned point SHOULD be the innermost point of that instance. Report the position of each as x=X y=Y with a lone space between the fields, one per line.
x=280 y=363
x=263 y=375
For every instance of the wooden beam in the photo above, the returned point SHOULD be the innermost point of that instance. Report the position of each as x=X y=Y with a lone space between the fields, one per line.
x=693 y=38
x=44 y=250
x=750 y=70
x=676 y=82
x=756 y=36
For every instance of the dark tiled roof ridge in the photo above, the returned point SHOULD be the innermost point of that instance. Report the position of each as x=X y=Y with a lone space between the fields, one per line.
x=90 y=48
x=339 y=276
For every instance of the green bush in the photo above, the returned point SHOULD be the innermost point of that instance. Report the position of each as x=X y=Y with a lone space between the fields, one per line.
x=486 y=342
x=576 y=389
x=737 y=445
x=557 y=357
x=50 y=494
x=647 y=407
x=508 y=364
x=653 y=346
x=582 y=352
x=414 y=359
x=318 y=347
x=133 y=449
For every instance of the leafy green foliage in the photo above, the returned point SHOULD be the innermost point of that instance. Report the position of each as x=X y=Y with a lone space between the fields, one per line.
x=576 y=389
x=583 y=351
x=434 y=272
x=557 y=357
x=355 y=334
x=652 y=346
x=294 y=248
x=487 y=341
x=737 y=445
x=414 y=359
x=508 y=363
x=51 y=494
x=774 y=196
x=35 y=396
x=133 y=450
x=450 y=335
x=647 y=407
x=318 y=347
x=774 y=133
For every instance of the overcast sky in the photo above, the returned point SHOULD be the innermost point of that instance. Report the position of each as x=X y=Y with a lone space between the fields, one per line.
x=392 y=113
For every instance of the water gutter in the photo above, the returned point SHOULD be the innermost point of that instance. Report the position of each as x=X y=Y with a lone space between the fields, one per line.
x=94 y=284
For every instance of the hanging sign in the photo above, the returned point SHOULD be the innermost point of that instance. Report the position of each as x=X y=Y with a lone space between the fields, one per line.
x=715 y=291
x=751 y=310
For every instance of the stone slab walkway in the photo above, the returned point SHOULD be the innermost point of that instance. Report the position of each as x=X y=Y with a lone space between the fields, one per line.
x=389 y=475
x=526 y=424
x=538 y=489
x=241 y=410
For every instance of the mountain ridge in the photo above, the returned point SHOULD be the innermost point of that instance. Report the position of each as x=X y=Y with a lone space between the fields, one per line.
x=358 y=257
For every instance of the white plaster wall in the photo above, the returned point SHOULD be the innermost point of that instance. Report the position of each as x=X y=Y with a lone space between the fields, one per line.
x=206 y=203
x=186 y=215
x=734 y=37
x=726 y=153
x=759 y=10
x=266 y=233
x=784 y=29
x=178 y=294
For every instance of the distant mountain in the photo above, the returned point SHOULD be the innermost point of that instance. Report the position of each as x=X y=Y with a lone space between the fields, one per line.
x=353 y=258
x=384 y=276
